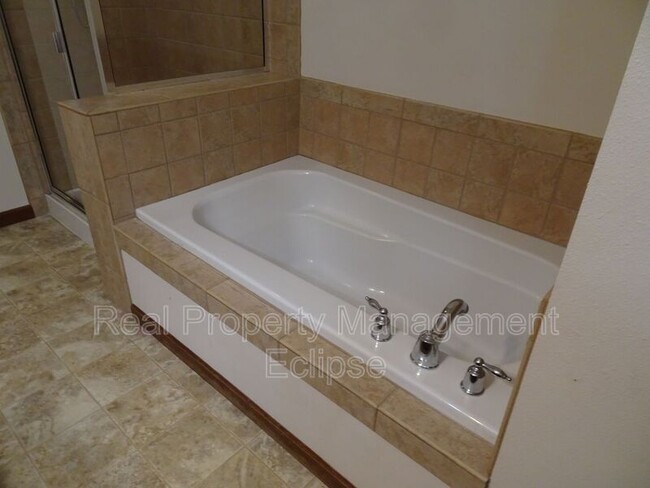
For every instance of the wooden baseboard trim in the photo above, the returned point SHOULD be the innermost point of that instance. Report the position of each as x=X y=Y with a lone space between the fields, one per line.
x=286 y=439
x=15 y=215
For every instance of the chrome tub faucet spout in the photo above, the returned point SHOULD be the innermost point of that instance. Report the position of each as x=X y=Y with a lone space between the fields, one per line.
x=426 y=353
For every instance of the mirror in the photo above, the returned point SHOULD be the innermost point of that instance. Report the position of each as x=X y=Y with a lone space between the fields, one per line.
x=152 y=40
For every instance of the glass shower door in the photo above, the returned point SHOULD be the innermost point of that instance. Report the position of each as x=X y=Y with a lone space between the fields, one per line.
x=53 y=48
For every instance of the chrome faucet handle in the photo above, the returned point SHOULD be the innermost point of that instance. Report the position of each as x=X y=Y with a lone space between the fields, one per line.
x=375 y=304
x=380 y=331
x=495 y=370
x=474 y=381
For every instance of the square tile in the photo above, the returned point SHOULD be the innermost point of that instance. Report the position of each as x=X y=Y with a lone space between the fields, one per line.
x=535 y=174
x=22 y=273
x=416 y=142
x=13 y=252
x=9 y=445
x=60 y=317
x=452 y=151
x=523 y=213
x=383 y=133
x=279 y=460
x=15 y=337
x=113 y=375
x=216 y=130
x=218 y=165
x=194 y=447
x=149 y=410
x=150 y=186
x=354 y=125
x=47 y=411
x=111 y=155
x=73 y=456
x=39 y=295
x=128 y=471
x=181 y=138
x=143 y=147
x=186 y=175
x=572 y=184
x=273 y=116
x=245 y=123
x=379 y=167
x=244 y=469
x=491 y=162
x=87 y=343
x=28 y=371
x=410 y=177
x=481 y=200
x=444 y=188
x=20 y=472
x=233 y=419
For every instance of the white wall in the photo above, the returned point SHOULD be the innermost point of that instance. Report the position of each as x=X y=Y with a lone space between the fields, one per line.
x=12 y=192
x=551 y=62
x=582 y=418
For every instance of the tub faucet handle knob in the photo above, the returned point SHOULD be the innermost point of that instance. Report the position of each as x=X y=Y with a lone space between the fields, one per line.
x=495 y=370
x=375 y=304
x=474 y=381
x=381 y=330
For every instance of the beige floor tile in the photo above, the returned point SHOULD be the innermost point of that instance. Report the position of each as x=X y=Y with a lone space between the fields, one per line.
x=243 y=470
x=19 y=472
x=15 y=337
x=78 y=252
x=232 y=418
x=61 y=316
x=29 y=228
x=27 y=372
x=82 y=277
x=155 y=350
x=191 y=449
x=73 y=456
x=83 y=345
x=9 y=445
x=280 y=461
x=52 y=241
x=96 y=296
x=113 y=375
x=41 y=294
x=23 y=273
x=7 y=309
x=13 y=252
x=44 y=413
x=192 y=382
x=128 y=471
x=315 y=483
x=153 y=407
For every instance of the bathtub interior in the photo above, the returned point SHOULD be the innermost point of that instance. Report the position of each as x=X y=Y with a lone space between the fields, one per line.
x=352 y=242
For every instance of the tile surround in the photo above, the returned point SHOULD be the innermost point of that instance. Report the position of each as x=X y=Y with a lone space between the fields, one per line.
x=455 y=454
x=526 y=177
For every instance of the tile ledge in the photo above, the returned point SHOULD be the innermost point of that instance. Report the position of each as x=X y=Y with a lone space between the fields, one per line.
x=114 y=102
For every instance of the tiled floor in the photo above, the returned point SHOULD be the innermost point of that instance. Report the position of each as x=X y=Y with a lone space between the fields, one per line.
x=79 y=409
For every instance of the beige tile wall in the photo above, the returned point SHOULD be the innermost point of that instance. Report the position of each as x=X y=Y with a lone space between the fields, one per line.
x=522 y=176
x=129 y=157
x=157 y=151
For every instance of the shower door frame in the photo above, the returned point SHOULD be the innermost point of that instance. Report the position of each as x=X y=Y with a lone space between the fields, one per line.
x=23 y=91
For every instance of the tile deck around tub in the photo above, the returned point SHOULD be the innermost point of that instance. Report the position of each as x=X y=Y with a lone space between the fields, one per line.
x=80 y=408
x=445 y=448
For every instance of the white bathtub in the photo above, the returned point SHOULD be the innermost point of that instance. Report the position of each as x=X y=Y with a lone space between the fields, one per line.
x=308 y=237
